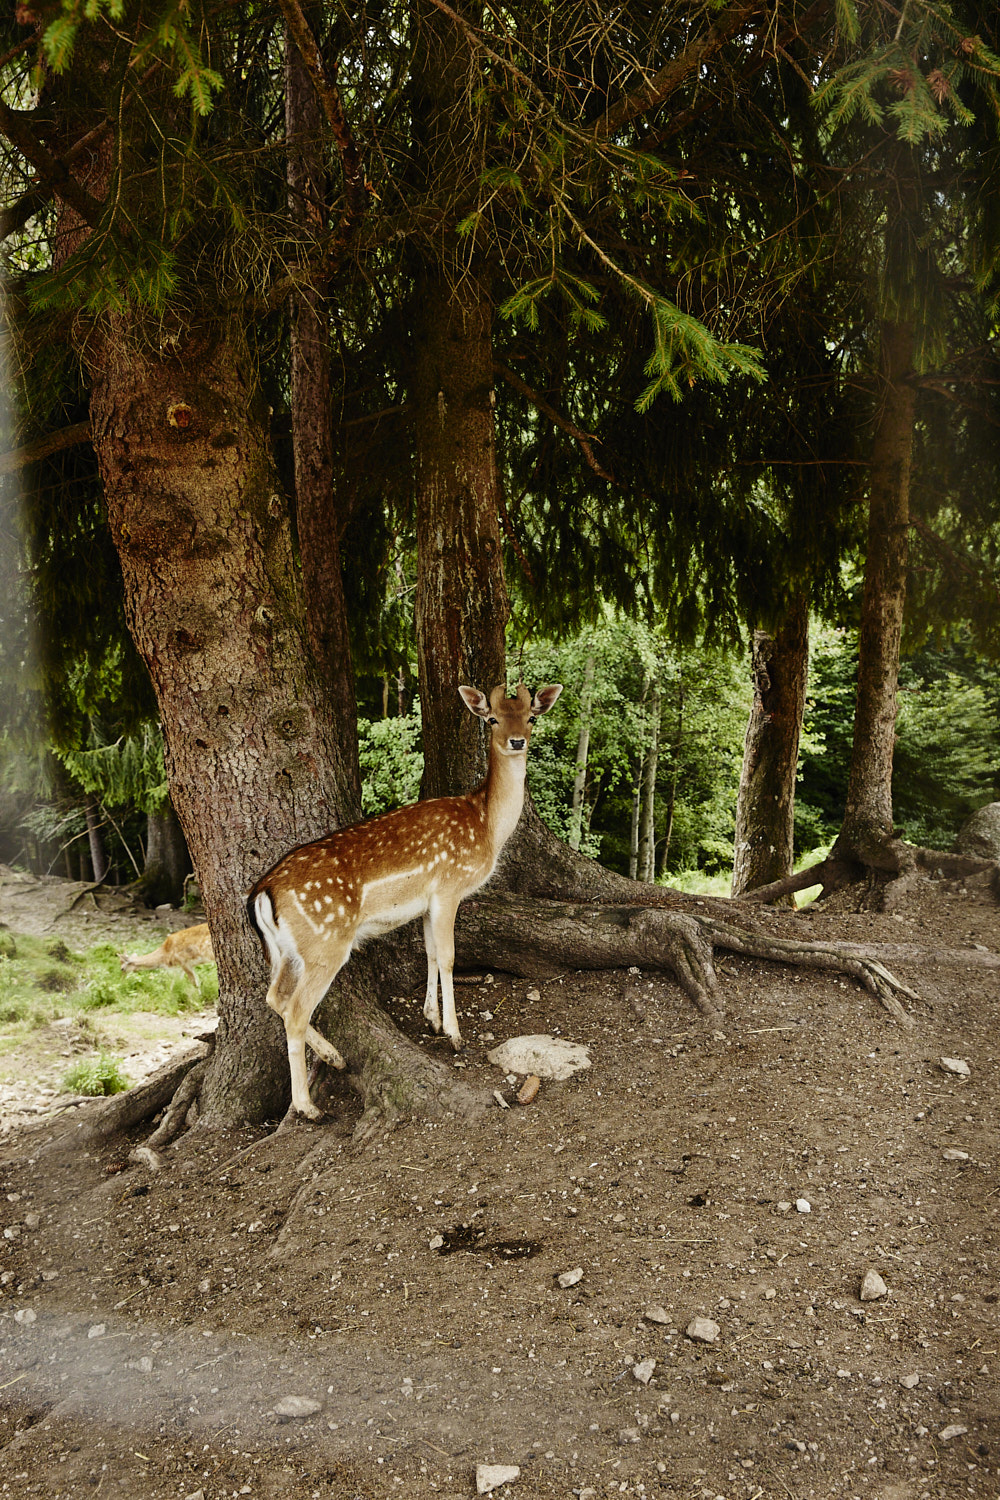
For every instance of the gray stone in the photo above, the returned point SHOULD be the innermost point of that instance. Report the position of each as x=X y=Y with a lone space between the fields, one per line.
x=872 y=1287
x=704 y=1330
x=980 y=835
x=297 y=1407
x=491 y=1476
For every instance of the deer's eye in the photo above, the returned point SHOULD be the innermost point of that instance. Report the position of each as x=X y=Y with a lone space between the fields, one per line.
x=491 y=720
x=532 y=718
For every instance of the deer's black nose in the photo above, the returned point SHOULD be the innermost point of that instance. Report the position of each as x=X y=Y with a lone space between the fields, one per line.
x=517 y=744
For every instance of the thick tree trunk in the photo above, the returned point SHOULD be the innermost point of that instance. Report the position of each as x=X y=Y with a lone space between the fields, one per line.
x=461 y=604
x=765 y=805
x=215 y=610
x=167 y=859
x=316 y=510
x=866 y=833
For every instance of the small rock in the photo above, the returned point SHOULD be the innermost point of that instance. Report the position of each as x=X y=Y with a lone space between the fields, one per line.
x=25 y=1315
x=952 y=1154
x=12 y=1232
x=529 y=1089
x=803 y=1205
x=629 y=1435
x=296 y=1407
x=490 y=1476
x=705 y=1330
x=872 y=1287
x=643 y=1371
x=96 y=1331
x=783 y=1207
x=654 y=1313
x=533 y=995
x=32 y=1221
x=570 y=1278
x=436 y=1242
x=909 y=1382
x=500 y=1099
x=195 y=1495
x=956 y=1065
x=955 y=1430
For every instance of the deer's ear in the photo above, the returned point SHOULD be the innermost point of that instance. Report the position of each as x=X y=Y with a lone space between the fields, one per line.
x=475 y=701
x=545 y=697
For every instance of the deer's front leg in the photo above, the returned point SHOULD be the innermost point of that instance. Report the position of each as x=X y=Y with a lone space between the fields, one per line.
x=431 y=1012
x=442 y=918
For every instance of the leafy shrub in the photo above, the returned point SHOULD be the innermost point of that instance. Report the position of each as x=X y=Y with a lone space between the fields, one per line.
x=96 y=1076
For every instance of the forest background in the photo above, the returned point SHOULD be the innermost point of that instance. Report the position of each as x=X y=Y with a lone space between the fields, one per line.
x=356 y=351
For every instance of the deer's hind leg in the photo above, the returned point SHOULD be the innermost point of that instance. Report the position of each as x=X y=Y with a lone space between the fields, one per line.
x=295 y=992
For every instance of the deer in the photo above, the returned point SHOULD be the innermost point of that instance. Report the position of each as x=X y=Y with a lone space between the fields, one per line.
x=181 y=950
x=322 y=899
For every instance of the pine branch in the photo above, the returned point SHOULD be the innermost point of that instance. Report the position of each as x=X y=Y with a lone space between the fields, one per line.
x=670 y=77
x=52 y=442
x=38 y=193
x=585 y=439
x=51 y=170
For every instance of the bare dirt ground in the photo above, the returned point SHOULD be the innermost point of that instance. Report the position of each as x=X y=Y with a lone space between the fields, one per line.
x=287 y=1322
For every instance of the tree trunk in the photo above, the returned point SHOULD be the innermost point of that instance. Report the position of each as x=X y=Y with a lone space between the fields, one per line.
x=95 y=839
x=215 y=609
x=461 y=602
x=167 y=859
x=765 y=806
x=582 y=753
x=316 y=509
x=633 y=843
x=651 y=760
x=866 y=833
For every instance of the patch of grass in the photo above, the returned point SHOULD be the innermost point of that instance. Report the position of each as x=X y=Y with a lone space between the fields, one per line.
x=42 y=979
x=96 y=1076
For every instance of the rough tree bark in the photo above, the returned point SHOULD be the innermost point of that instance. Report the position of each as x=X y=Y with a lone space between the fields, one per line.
x=461 y=603
x=765 y=805
x=650 y=765
x=316 y=511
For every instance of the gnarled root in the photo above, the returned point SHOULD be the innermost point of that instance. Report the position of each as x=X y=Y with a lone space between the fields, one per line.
x=529 y=937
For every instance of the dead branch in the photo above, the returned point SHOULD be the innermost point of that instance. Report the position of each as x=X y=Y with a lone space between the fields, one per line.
x=585 y=439
x=43 y=447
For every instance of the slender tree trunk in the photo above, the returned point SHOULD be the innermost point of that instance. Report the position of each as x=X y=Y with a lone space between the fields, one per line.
x=650 y=764
x=765 y=806
x=866 y=833
x=95 y=838
x=316 y=509
x=215 y=609
x=633 y=843
x=582 y=753
x=461 y=602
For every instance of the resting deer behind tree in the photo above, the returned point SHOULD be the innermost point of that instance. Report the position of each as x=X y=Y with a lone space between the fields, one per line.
x=324 y=898
x=181 y=950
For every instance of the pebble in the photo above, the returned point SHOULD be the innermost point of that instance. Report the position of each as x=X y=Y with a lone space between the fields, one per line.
x=25 y=1315
x=297 y=1407
x=529 y=1089
x=955 y=1430
x=629 y=1435
x=500 y=1099
x=705 y=1330
x=783 y=1207
x=803 y=1205
x=643 y=1371
x=570 y=1278
x=436 y=1242
x=952 y=1154
x=654 y=1313
x=909 y=1382
x=957 y=1065
x=872 y=1286
x=489 y=1476
x=96 y=1331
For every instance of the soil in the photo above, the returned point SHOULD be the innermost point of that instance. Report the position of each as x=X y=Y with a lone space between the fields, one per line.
x=291 y=1315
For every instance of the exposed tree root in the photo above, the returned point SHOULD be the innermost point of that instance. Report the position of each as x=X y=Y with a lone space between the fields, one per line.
x=529 y=936
x=124 y=1111
x=887 y=870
